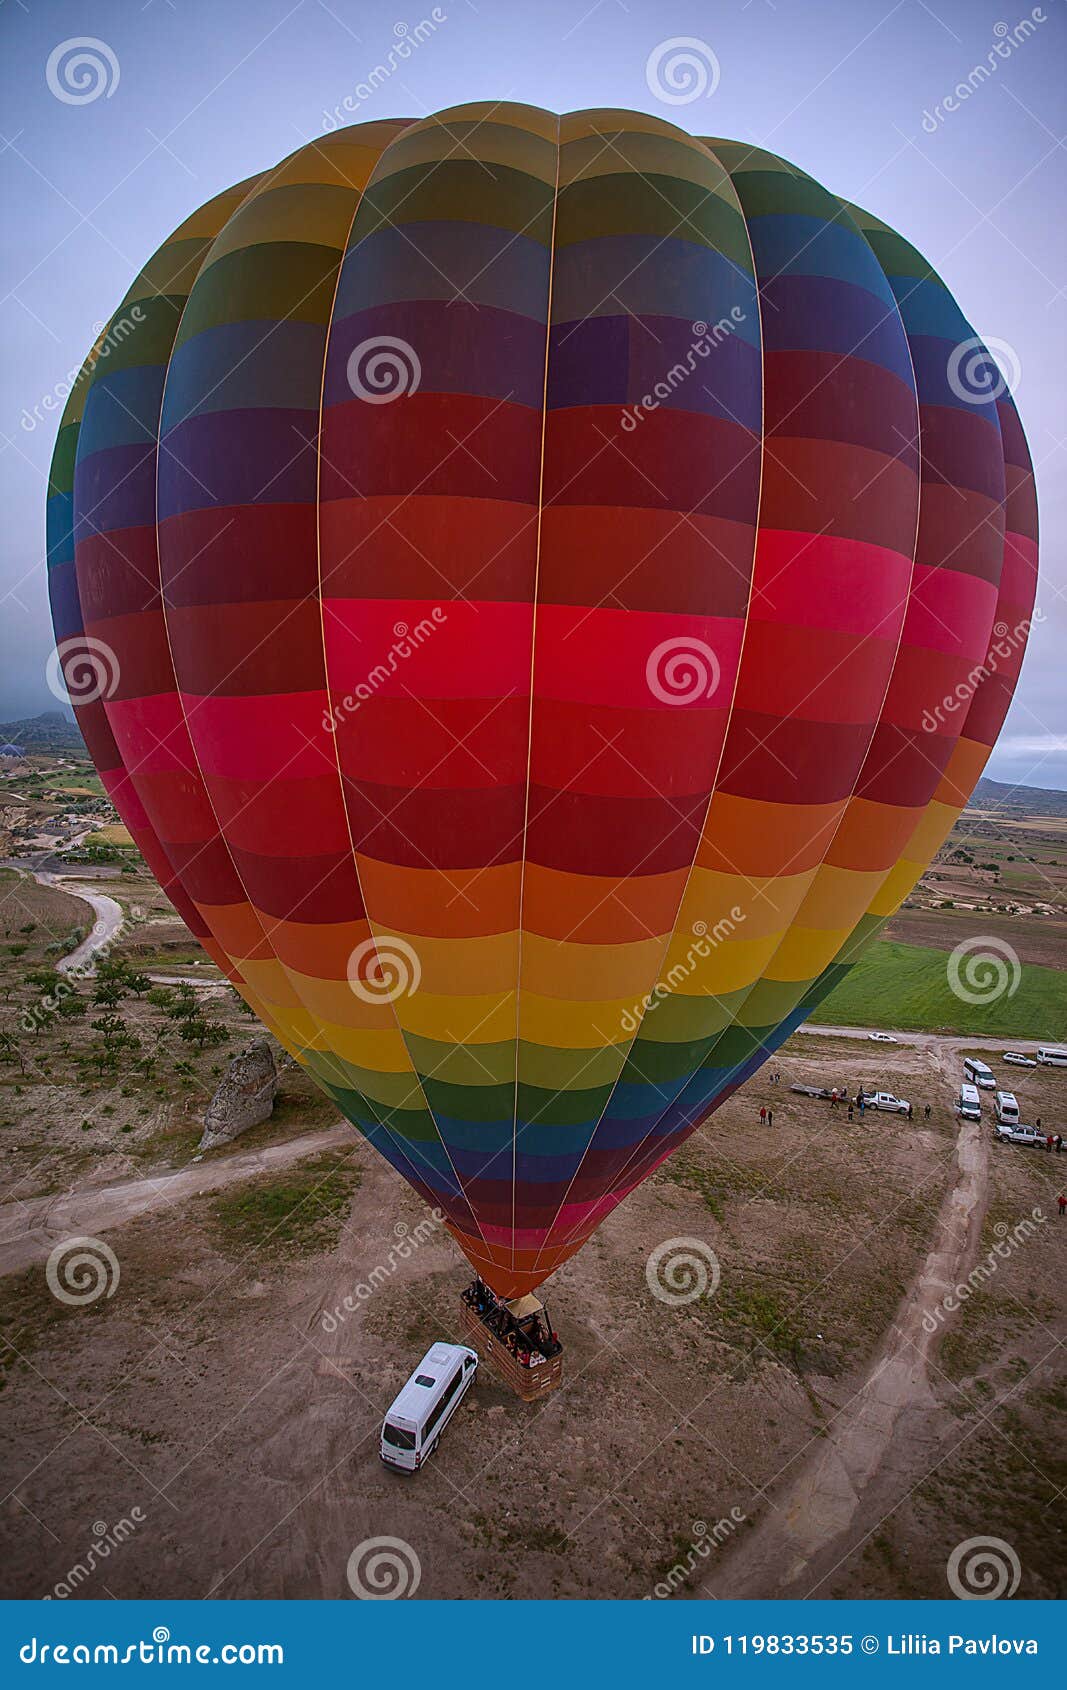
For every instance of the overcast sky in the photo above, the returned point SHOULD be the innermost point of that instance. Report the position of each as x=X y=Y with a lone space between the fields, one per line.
x=196 y=95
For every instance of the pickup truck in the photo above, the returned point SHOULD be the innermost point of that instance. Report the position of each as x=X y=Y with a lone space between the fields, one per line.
x=1018 y=1135
x=886 y=1100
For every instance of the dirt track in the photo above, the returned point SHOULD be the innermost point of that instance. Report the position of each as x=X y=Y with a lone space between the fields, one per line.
x=28 y=1230
x=820 y=1514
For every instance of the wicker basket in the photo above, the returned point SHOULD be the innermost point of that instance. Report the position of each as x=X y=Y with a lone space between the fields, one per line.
x=529 y=1383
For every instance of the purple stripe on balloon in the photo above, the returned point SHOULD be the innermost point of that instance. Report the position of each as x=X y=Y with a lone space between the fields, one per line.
x=436 y=346
x=114 y=490
x=237 y=458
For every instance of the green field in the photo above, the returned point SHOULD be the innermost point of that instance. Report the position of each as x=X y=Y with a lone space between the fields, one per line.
x=907 y=986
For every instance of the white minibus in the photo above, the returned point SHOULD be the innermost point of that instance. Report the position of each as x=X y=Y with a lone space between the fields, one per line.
x=978 y=1073
x=1052 y=1056
x=1007 y=1109
x=416 y=1418
x=969 y=1104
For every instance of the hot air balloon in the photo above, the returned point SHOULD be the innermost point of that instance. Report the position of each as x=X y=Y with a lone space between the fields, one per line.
x=528 y=585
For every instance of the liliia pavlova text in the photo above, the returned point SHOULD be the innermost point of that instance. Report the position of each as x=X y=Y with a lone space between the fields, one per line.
x=917 y=1643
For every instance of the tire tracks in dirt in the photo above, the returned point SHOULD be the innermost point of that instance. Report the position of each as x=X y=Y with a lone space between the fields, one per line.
x=826 y=1508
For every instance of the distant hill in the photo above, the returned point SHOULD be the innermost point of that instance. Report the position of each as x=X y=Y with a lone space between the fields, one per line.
x=51 y=731
x=1020 y=800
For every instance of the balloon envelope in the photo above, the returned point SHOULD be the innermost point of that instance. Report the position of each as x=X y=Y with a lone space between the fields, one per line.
x=539 y=591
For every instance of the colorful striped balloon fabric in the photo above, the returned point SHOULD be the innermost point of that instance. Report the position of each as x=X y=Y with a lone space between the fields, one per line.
x=539 y=591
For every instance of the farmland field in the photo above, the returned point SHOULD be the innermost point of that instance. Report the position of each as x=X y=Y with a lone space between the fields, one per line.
x=895 y=985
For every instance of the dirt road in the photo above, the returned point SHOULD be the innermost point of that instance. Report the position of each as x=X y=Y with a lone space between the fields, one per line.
x=106 y=927
x=29 y=1230
x=824 y=1507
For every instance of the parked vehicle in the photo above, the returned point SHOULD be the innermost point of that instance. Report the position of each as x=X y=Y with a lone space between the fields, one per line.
x=886 y=1100
x=1052 y=1056
x=969 y=1104
x=825 y=1092
x=1007 y=1110
x=416 y=1418
x=979 y=1073
x=1018 y=1060
x=1018 y=1135
x=882 y=1038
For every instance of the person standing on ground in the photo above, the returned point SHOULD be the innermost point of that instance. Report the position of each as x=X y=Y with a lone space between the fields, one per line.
x=762 y=1114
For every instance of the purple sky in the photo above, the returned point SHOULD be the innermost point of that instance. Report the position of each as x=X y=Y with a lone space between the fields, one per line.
x=203 y=93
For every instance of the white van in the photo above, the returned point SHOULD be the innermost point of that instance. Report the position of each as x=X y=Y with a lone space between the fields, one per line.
x=1051 y=1056
x=978 y=1074
x=969 y=1104
x=416 y=1418
x=1007 y=1109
